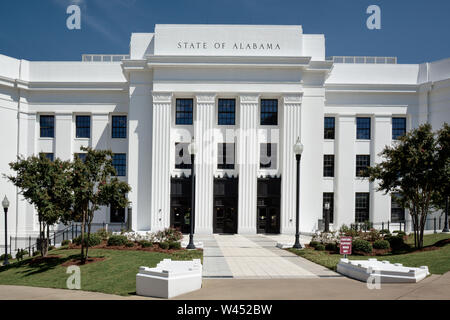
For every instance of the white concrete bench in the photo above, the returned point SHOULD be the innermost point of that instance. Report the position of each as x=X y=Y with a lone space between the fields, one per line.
x=383 y=271
x=169 y=278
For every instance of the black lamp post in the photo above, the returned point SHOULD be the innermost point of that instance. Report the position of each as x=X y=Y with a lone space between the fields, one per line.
x=192 y=150
x=327 y=216
x=446 y=216
x=5 y=204
x=298 y=149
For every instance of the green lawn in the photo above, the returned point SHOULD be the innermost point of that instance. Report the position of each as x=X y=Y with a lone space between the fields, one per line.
x=115 y=275
x=438 y=261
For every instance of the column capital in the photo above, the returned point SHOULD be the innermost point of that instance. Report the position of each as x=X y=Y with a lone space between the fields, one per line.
x=249 y=97
x=292 y=98
x=205 y=97
x=162 y=97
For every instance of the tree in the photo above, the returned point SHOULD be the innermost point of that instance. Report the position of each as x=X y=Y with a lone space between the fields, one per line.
x=46 y=186
x=412 y=168
x=94 y=184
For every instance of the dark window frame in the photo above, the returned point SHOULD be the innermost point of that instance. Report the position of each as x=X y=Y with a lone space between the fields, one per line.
x=46 y=128
x=328 y=196
x=226 y=112
x=397 y=211
x=120 y=164
x=222 y=151
x=363 y=128
x=119 y=210
x=397 y=132
x=182 y=165
x=82 y=127
x=329 y=126
x=119 y=126
x=184 y=111
x=269 y=112
x=362 y=162
x=328 y=165
x=269 y=151
x=362 y=213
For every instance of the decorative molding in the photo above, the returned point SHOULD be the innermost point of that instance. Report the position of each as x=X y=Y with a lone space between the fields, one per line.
x=205 y=97
x=162 y=97
x=292 y=98
x=249 y=98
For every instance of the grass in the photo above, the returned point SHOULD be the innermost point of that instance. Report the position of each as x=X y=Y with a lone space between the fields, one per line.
x=438 y=261
x=114 y=275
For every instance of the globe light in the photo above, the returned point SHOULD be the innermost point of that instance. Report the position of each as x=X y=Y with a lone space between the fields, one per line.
x=298 y=147
x=5 y=203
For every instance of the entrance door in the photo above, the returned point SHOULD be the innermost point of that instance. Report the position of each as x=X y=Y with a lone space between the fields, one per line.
x=268 y=205
x=225 y=215
x=180 y=204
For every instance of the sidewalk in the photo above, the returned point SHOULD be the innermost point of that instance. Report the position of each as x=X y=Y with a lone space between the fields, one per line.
x=435 y=287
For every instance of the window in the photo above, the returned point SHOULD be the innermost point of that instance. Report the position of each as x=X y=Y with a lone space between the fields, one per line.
x=362 y=163
x=363 y=128
x=47 y=126
x=227 y=111
x=361 y=207
x=398 y=127
x=119 y=127
x=117 y=215
x=329 y=128
x=328 y=197
x=49 y=156
x=120 y=164
x=83 y=126
x=184 y=111
x=268 y=156
x=225 y=152
x=81 y=156
x=328 y=165
x=269 y=112
x=182 y=156
x=397 y=211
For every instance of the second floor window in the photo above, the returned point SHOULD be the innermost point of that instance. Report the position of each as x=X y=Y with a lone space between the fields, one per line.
x=83 y=126
x=47 y=126
x=329 y=128
x=227 y=112
x=225 y=152
x=119 y=127
x=269 y=112
x=361 y=207
x=119 y=162
x=184 y=111
x=328 y=165
x=397 y=211
x=268 y=156
x=328 y=197
x=182 y=156
x=363 y=128
x=362 y=163
x=398 y=127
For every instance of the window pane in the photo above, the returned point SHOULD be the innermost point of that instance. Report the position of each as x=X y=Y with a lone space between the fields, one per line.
x=117 y=214
x=182 y=156
x=184 y=111
x=120 y=163
x=328 y=165
x=328 y=197
x=225 y=156
x=119 y=127
x=361 y=207
x=329 y=128
x=83 y=126
x=227 y=111
x=47 y=126
x=398 y=127
x=268 y=156
x=397 y=211
x=363 y=128
x=269 y=112
x=362 y=162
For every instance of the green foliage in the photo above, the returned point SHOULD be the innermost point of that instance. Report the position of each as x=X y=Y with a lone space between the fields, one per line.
x=174 y=245
x=385 y=232
x=35 y=253
x=164 y=245
x=117 y=240
x=399 y=233
x=20 y=254
x=332 y=246
x=146 y=243
x=65 y=242
x=51 y=248
x=2 y=257
x=397 y=243
x=168 y=235
x=94 y=240
x=372 y=235
x=129 y=244
x=320 y=247
x=104 y=234
x=360 y=245
x=313 y=244
x=381 y=244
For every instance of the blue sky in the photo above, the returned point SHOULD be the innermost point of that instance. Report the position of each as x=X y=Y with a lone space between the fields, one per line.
x=414 y=31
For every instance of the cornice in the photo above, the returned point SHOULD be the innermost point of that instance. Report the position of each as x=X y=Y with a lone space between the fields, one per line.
x=205 y=97
x=162 y=97
x=293 y=98
x=249 y=98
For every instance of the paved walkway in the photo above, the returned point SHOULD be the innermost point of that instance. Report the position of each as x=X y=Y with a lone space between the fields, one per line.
x=255 y=257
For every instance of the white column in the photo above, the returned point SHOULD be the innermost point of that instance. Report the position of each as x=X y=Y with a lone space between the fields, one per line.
x=160 y=161
x=248 y=157
x=204 y=162
x=63 y=136
x=139 y=156
x=290 y=131
x=344 y=207
x=380 y=204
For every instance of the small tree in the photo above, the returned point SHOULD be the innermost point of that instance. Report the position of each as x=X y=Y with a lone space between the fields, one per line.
x=94 y=184
x=45 y=185
x=412 y=168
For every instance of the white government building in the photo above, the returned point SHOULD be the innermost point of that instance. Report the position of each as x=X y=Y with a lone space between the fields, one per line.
x=246 y=93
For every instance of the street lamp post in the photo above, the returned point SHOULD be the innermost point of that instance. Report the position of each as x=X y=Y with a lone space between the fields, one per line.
x=327 y=216
x=192 y=150
x=446 y=216
x=298 y=149
x=5 y=204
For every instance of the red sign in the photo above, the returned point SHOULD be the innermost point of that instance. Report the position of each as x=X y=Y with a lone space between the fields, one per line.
x=346 y=245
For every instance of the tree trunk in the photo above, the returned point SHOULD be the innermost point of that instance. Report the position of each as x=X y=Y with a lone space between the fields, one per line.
x=88 y=235
x=83 y=259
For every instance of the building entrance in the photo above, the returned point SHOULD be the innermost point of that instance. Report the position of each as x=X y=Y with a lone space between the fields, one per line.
x=180 y=204
x=225 y=215
x=268 y=205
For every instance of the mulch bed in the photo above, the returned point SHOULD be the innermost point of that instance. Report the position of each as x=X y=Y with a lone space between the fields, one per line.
x=47 y=259
x=136 y=247
x=77 y=262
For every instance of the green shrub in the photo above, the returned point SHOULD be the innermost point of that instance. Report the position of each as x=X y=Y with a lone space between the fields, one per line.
x=168 y=235
x=175 y=245
x=332 y=246
x=104 y=234
x=385 y=232
x=94 y=240
x=320 y=247
x=313 y=244
x=65 y=242
x=129 y=244
x=34 y=253
x=164 y=245
x=396 y=242
x=2 y=257
x=146 y=243
x=117 y=240
x=381 y=244
x=362 y=246
x=51 y=248
x=20 y=254
x=372 y=235
x=399 y=233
